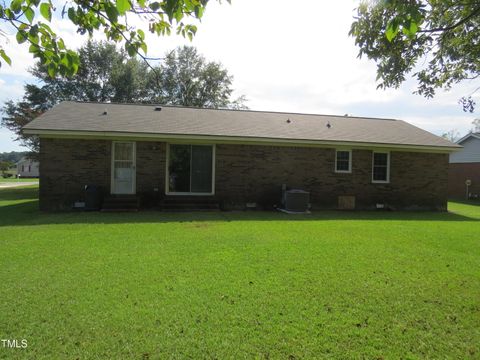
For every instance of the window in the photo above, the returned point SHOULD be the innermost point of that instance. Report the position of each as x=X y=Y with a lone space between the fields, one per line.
x=381 y=167
x=343 y=161
x=190 y=169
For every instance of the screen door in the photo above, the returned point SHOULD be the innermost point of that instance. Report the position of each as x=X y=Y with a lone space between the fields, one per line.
x=123 y=168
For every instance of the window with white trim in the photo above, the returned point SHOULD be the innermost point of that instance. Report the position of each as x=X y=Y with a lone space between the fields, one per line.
x=343 y=161
x=381 y=167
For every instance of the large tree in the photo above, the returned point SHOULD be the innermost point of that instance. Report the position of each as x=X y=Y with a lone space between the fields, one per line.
x=186 y=78
x=105 y=74
x=30 y=20
x=102 y=76
x=109 y=75
x=436 y=41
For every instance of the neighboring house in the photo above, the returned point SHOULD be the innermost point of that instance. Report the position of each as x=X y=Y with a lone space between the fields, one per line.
x=465 y=165
x=27 y=168
x=237 y=157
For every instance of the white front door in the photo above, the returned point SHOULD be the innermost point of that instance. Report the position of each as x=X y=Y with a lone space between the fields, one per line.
x=123 y=167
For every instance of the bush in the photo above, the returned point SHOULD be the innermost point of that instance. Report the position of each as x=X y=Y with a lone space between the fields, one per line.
x=6 y=175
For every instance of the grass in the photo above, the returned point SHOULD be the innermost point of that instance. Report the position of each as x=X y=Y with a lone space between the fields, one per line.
x=238 y=285
x=10 y=180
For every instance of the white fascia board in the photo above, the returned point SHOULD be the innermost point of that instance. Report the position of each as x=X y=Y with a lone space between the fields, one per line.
x=215 y=139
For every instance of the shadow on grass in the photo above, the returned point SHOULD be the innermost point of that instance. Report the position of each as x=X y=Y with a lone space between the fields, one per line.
x=19 y=193
x=27 y=213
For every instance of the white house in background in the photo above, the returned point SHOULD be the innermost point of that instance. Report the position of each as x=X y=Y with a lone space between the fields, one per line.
x=27 y=168
x=464 y=168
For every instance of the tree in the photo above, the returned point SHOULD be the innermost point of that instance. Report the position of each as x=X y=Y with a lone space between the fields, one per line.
x=12 y=156
x=476 y=126
x=186 y=78
x=105 y=74
x=18 y=114
x=5 y=166
x=109 y=75
x=436 y=40
x=452 y=135
x=30 y=20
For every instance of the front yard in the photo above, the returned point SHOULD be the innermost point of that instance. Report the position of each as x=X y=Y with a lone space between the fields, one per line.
x=150 y=285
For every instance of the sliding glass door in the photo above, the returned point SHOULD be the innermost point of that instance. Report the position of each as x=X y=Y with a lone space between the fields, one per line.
x=190 y=169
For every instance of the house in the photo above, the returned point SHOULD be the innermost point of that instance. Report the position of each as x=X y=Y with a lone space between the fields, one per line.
x=27 y=168
x=178 y=154
x=465 y=165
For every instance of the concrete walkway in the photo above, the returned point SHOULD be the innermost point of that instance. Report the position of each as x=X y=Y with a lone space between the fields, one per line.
x=16 y=184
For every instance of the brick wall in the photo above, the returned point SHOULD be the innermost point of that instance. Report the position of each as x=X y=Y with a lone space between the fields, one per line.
x=458 y=173
x=246 y=173
x=66 y=166
x=255 y=174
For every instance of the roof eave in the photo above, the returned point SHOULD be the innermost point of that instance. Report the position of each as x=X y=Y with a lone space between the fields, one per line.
x=233 y=139
x=466 y=137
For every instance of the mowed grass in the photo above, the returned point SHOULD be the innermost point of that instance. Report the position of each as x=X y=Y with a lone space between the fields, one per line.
x=150 y=285
x=17 y=180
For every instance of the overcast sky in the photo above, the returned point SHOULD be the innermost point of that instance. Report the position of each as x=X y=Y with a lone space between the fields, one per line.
x=283 y=57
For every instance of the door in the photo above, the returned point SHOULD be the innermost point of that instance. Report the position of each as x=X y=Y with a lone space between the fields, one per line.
x=190 y=169
x=123 y=167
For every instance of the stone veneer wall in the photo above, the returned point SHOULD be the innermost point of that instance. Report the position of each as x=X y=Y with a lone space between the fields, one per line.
x=249 y=173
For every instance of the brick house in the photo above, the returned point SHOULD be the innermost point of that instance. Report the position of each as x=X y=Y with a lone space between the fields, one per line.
x=465 y=165
x=168 y=154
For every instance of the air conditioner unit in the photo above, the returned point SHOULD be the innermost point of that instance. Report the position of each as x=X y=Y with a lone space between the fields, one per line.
x=296 y=200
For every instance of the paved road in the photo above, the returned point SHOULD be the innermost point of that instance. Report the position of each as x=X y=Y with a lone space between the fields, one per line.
x=15 y=184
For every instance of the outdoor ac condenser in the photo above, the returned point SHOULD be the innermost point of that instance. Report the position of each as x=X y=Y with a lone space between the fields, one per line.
x=297 y=200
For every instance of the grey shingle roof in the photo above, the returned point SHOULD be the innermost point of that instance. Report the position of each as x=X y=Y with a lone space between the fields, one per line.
x=72 y=116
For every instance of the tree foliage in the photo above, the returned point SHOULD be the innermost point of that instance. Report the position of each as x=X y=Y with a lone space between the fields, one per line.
x=452 y=135
x=476 y=125
x=434 y=40
x=31 y=20
x=12 y=156
x=5 y=166
x=106 y=74
x=187 y=78
x=18 y=114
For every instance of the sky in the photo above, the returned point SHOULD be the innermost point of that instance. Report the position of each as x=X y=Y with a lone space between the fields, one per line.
x=282 y=58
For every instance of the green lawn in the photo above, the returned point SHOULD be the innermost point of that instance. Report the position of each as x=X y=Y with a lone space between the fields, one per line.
x=374 y=285
x=10 y=180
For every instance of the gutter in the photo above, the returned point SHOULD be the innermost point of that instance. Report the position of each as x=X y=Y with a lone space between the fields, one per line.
x=115 y=135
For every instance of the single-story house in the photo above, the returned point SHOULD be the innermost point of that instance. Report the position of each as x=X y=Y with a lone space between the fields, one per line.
x=237 y=157
x=27 y=168
x=464 y=169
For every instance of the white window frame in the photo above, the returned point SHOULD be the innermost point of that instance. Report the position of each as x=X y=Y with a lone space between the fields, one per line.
x=349 y=161
x=167 y=173
x=388 y=167
x=112 y=168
